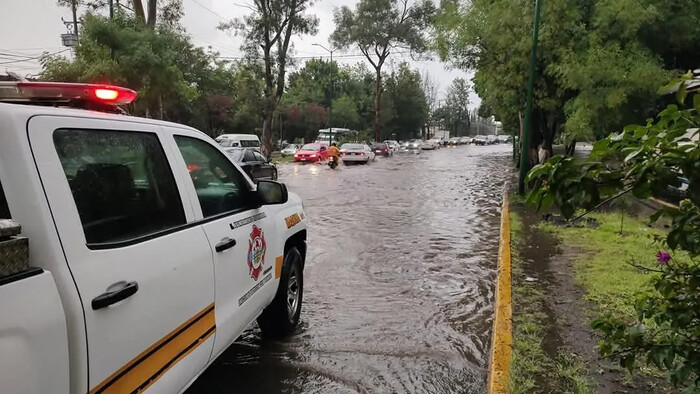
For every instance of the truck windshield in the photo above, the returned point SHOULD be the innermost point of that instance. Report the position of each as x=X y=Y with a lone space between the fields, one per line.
x=4 y=209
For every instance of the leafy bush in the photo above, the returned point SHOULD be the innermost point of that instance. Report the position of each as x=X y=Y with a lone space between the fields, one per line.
x=646 y=160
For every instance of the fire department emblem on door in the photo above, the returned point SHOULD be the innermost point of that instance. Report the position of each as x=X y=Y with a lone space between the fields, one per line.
x=256 y=252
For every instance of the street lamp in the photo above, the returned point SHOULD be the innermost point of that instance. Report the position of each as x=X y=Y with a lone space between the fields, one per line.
x=330 y=105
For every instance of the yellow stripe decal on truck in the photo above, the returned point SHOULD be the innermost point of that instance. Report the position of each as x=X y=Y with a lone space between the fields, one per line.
x=141 y=372
x=279 y=261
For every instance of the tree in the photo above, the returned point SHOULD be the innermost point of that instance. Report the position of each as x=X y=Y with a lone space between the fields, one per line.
x=458 y=102
x=115 y=51
x=268 y=31
x=378 y=27
x=313 y=83
x=407 y=100
x=136 y=5
x=345 y=112
x=175 y=79
x=149 y=21
x=431 y=89
x=647 y=160
x=598 y=63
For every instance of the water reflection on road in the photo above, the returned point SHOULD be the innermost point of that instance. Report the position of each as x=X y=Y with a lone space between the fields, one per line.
x=398 y=283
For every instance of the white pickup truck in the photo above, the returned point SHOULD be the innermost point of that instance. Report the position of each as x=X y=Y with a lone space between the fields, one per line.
x=144 y=250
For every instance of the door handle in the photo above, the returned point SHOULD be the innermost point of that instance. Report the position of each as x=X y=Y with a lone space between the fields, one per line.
x=226 y=243
x=112 y=297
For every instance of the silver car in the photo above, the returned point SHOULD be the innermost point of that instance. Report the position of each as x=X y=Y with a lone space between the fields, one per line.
x=289 y=150
x=429 y=145
x=356 y=153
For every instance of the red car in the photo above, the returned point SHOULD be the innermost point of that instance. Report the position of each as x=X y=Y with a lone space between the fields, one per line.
x=311 y=153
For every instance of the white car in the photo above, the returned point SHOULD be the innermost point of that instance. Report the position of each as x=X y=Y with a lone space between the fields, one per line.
x=289 y=150
x=430 y=145
x=141 y=240
x=356 y=153
x=238 y=140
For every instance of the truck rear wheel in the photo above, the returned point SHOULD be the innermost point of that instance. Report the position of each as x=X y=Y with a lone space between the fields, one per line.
x=281 y=317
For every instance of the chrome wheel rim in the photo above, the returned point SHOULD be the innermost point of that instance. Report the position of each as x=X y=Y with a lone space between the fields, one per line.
x=292 y=294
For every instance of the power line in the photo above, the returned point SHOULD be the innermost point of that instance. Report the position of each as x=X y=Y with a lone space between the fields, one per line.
x=210 y=10
x=36 y=57
x=355 y=55
x=29 y=49
x=13 y=55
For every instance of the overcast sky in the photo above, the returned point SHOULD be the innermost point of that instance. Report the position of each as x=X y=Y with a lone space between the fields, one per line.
x=30 y=27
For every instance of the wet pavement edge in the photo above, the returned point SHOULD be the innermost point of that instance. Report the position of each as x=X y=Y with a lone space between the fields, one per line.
x=502 y=337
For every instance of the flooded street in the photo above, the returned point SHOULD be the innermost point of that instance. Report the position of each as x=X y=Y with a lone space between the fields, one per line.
x=399 y=280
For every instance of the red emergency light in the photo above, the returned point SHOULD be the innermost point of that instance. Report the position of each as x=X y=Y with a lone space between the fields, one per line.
x=65 y=92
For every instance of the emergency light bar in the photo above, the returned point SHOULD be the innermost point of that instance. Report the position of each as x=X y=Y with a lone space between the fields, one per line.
x=30 y=91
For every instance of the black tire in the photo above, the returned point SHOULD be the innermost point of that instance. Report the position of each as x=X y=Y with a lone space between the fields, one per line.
x=278 y=319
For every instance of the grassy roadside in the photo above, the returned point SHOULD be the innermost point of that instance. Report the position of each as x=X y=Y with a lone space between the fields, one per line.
x=533 y=368
x=277 y=159
x=563 y=278
x=603 y=267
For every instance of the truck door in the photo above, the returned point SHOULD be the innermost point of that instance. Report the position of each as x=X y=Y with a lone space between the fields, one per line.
x=240 y=235
x=143 y=269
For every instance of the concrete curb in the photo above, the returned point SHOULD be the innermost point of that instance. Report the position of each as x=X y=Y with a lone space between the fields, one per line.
x=502 y=336
x=663 y=203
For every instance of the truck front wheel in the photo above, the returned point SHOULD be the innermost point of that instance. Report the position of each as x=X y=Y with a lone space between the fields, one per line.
x=281 y=317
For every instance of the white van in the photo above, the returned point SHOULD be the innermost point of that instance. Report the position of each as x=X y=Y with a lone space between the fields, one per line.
x=240 y=140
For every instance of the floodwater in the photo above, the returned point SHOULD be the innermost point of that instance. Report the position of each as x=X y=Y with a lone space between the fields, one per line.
x=399 y=280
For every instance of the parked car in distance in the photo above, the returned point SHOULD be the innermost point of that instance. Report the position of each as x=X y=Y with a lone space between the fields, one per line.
x=240 y=140
x=356 y=153
x=404 y=148
x=455 y=141
x=380 y=148
x=504 y=139
x=311 y=153
x=465 y=140
x=479 y=140
x=289 y=150
x=491 y=139
x=429 y=145
x=254 y=163
x=412 y=146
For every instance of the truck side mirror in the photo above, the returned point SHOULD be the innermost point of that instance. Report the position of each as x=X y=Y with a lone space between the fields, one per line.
x=272 y=192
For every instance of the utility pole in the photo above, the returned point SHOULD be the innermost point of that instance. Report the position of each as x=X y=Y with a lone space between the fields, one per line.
x=111 y=16
x=525 y=143
x=74 y=10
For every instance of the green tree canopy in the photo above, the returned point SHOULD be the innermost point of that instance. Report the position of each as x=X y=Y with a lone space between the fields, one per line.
x=598 y=65
x=175 y=79
x=268 y=31
x=378 y=28
x=409 y=101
